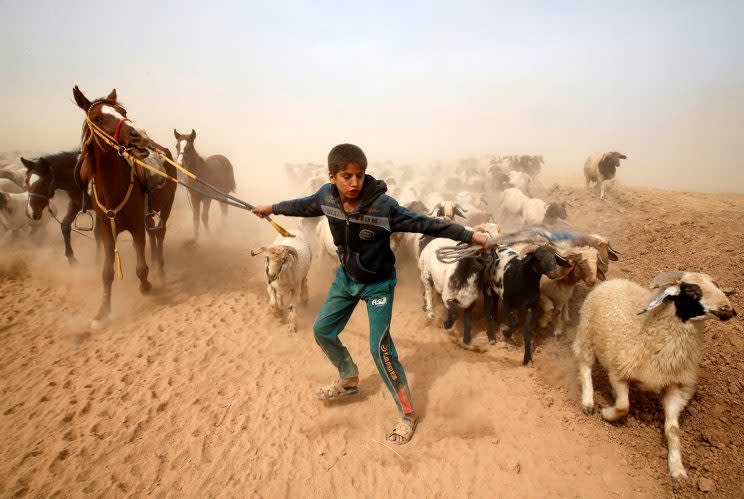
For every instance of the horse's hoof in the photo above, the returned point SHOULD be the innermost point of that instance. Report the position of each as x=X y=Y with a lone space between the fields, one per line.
x=71 y=260
x=145 y=287
x=492 y=342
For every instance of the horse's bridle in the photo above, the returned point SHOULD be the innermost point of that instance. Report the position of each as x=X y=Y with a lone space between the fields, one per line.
x=96 y=130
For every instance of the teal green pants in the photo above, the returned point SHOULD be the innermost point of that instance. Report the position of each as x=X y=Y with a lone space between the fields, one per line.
x=343 y=297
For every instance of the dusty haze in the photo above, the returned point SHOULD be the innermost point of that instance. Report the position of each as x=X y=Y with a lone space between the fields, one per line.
x=269 y=85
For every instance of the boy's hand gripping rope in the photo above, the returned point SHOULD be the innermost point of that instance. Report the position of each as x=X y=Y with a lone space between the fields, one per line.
x=532 y=234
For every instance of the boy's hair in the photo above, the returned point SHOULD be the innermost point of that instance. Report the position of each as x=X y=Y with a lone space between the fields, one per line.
x=343 y=154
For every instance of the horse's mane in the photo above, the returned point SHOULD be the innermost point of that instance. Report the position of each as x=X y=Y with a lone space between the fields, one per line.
x=60 y=155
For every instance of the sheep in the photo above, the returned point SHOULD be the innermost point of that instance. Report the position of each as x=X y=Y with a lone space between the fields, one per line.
x=459 y=284
x=537 y=211
x=324 y=238
x=600 y=168
x=314 y=183
x=514 y=278
x=605 y=252
x=15 y=216
x=9 y=186
x=447 y=210
x=556 y=293
x=408 y=242
x=287 y=264
x=520 y=180
x=652 y=336
x=512 y=202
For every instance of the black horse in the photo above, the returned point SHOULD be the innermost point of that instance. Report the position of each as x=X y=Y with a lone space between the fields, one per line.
x=47 y=174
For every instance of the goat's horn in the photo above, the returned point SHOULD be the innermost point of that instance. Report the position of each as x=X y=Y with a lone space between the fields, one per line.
x=666 y=279
x=660 y=297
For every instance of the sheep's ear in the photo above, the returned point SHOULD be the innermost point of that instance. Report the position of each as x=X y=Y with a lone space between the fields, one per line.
x=657 y=300
x=258 y=251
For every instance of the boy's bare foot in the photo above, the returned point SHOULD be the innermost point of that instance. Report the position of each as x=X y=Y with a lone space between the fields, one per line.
x=403 y=431
x=340 y=388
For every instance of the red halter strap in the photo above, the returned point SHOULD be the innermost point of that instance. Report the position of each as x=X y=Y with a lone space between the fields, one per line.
x=118 y=129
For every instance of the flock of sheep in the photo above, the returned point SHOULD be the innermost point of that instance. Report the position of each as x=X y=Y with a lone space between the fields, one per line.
x=651 y=335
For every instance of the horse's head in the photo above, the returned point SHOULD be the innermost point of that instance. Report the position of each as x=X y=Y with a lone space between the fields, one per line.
x=183 y=141
x=39 y=184
x=109 y=116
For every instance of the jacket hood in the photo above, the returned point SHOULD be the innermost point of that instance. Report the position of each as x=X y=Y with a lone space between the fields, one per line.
x=371 y=190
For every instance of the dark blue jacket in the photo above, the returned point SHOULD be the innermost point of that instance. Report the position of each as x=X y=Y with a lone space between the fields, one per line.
x=362 y=237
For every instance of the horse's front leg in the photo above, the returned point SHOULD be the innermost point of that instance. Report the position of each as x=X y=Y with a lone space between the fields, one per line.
x=66 y=225
x=196 y=209
x=138 y=237
x=107 y=275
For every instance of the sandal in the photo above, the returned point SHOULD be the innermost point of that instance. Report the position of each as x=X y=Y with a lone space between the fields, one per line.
x=336 y=391
x=404 y=429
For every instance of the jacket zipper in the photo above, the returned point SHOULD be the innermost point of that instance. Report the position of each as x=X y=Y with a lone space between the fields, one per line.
x=346 y=238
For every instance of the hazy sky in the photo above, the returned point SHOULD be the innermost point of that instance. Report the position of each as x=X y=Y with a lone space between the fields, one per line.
x=273 y=82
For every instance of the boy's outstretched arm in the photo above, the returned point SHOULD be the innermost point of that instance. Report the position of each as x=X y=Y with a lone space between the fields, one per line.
x=302 y=207
x=404 y=220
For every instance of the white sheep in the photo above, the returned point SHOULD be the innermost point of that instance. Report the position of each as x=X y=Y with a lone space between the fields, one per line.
x=537 y=211
x=15 y=217
x=652 y=336
x=520 y=180
x=287 y=264
x=314 y=183
x=600 y=167
x=10 y=186
x=459 y=284
x=324 y=239
x=512 y=202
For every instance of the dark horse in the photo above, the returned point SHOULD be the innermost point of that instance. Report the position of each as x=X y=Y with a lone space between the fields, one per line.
x=113 y=177
x=47 y=174
x=215 y=170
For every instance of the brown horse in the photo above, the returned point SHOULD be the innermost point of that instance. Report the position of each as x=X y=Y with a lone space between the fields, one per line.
x=215 y=170
x=44 y=177
x=119 y=189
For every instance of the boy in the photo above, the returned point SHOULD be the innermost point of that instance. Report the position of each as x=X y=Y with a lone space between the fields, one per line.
x=361 y=219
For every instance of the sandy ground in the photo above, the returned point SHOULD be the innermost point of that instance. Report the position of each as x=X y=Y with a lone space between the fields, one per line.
x=198 y=391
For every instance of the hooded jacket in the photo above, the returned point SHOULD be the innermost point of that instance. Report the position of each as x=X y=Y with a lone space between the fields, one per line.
x=362 y=237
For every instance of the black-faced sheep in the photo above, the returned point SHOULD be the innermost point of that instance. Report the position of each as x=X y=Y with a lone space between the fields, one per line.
x=515 y=280
x=600 y=167
x=652 y=336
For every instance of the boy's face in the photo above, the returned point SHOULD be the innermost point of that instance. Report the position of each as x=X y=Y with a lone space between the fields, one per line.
x=348 y=181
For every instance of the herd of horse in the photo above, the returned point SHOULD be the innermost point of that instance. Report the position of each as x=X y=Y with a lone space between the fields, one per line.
x=110 y=174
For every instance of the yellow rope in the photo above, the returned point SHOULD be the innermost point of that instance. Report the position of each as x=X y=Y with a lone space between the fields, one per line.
x=123 y=152
x=111 y=215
